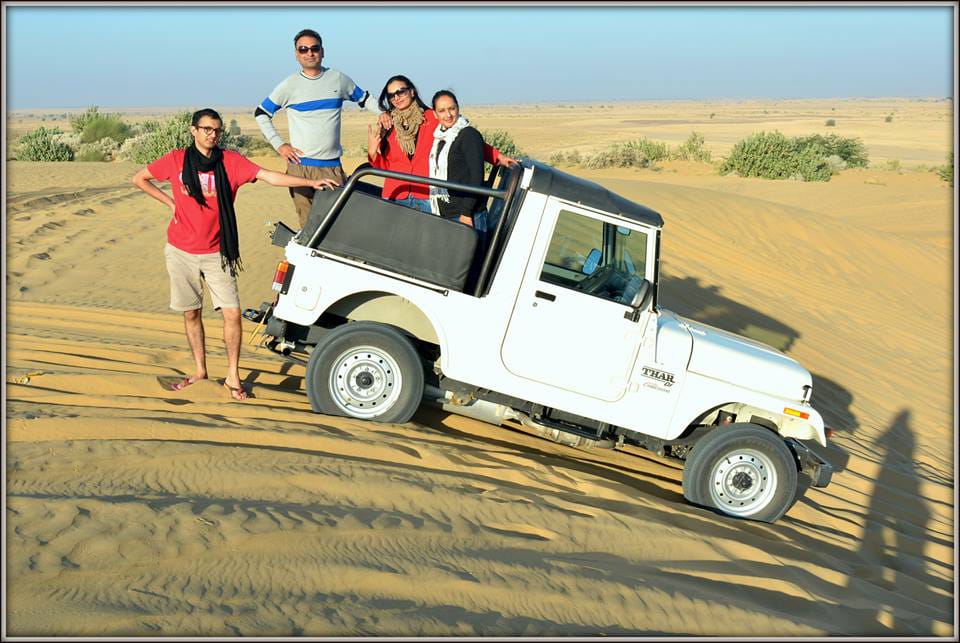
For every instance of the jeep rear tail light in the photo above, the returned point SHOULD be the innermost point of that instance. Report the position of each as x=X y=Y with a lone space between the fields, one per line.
x=280 y=275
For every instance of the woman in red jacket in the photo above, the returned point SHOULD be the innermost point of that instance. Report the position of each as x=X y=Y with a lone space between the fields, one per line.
x=407 y=147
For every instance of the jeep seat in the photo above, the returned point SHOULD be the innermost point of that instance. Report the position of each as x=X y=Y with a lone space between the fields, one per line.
x=388 y=235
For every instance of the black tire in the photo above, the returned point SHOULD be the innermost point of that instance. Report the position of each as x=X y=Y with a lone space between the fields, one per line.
x=743 y=471
x=367 y=371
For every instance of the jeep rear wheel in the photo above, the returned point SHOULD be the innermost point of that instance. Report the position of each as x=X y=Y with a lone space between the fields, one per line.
x=367 y=371
x=742 y=470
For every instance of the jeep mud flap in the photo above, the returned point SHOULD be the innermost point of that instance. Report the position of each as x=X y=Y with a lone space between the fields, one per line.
x=810 y=463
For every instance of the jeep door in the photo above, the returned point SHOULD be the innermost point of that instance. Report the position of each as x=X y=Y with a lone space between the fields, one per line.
x=572 y=326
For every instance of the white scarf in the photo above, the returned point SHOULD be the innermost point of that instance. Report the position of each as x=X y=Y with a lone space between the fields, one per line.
x=438 y=161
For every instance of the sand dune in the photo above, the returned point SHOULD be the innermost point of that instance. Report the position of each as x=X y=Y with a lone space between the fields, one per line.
x=135 y=510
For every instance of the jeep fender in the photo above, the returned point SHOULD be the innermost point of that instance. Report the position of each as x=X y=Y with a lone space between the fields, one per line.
x=702 y=394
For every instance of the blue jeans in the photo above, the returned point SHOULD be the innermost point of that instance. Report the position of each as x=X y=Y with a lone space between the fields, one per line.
x=417 y=204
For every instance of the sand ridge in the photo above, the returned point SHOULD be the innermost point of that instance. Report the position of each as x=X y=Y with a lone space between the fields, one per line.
x=135 y=510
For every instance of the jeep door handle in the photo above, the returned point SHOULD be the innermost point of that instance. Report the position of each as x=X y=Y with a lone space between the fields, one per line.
x=544 y=295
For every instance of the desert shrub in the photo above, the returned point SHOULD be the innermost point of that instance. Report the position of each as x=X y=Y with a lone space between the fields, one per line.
x=946 y=172
x=831 y=123
x=639 y=153
x=502 y=140
x=851 y=150
x=888 y=118
x=574 y=157
x=234 y=129
x=159 y=139
x=103 y=150
x=557 y=159
x=892 y=165
x=93 y=126
x=43 y=144
x=692 y=150
x=774 y=156
x=156 y=138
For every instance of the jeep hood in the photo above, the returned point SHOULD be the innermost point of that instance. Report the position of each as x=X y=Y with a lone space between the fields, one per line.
x=725 y=356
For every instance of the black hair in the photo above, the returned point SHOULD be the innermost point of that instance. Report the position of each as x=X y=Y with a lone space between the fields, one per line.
x=384 y=101
x=308 y=32
x=200 y=113
x=444 y=92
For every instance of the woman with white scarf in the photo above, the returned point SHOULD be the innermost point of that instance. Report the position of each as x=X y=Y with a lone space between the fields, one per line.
x=457 y=156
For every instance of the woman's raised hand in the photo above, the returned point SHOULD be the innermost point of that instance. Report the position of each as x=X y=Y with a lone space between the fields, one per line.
x=374 y=138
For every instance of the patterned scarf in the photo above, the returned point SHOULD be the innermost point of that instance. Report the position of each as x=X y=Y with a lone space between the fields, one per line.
x=195 y=162
x=407 y=122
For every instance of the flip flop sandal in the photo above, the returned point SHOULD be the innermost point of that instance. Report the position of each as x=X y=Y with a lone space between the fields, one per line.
x=238 y=393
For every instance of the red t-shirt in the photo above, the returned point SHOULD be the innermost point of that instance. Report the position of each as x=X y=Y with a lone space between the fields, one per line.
x=396 y=160
x=195 y=228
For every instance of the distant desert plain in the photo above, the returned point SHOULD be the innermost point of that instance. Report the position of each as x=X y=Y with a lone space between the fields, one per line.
x=137 y=511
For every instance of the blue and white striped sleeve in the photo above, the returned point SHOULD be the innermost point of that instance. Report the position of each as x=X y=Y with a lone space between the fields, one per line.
x=265 y=112
x=355 y=94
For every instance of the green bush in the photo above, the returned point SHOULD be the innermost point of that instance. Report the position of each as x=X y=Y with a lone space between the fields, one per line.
x=574 y=157
x=639 y=153
x=851 y=150
x=557 y=159
x=831 y=123
x=159 y=137
x=43 y=145
x=103 y=150
x=946 y=172
x=888 y=118
x=806 y=158
x=692 y=150
x=93 y=126
x=892 y=165
x=502 y=140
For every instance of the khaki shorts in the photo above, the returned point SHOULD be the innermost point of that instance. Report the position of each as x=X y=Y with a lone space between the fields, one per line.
x=188 y=272
x=303 y=197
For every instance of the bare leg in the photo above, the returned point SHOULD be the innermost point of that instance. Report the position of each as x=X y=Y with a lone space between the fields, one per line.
x=193 y=323
x=232 y=334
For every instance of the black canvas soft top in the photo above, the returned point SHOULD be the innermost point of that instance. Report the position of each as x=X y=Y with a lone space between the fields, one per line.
x=552 y=182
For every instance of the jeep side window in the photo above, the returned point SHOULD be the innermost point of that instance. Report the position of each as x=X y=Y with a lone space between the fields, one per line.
x=572 y=258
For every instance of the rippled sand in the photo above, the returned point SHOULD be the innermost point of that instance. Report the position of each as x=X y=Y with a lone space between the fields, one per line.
x=134 y=510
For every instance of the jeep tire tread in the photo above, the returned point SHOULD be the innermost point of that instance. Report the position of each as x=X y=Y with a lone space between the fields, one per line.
x=742 y=470
x=367 y=371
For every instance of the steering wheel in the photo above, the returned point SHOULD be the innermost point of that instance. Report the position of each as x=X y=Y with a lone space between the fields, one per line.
x=595 y=282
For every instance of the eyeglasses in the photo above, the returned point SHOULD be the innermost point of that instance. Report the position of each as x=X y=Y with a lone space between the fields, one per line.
x=314 y=48
x=399 y=92
x=210 y=130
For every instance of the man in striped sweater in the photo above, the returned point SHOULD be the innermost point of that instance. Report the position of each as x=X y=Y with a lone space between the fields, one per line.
x=313 y=98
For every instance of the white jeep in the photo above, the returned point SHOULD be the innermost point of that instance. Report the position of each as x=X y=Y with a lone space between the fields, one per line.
x=550 y=320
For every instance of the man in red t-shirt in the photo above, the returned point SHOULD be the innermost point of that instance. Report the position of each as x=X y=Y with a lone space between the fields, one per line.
x=202 y=244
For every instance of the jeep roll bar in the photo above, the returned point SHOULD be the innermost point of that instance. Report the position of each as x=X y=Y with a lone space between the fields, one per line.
x=368 y=170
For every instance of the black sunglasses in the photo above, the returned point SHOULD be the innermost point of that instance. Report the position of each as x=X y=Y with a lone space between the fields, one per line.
x=399 y=92
x=314 y=48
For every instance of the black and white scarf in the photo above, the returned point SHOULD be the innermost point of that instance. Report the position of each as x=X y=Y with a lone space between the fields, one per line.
x=194 y=162
x=439 y=155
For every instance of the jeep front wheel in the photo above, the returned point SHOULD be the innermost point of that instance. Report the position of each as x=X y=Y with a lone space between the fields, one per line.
x=367 y=371
x=742 y=470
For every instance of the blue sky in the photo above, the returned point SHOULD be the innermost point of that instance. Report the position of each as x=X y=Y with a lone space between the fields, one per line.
x=226 y=56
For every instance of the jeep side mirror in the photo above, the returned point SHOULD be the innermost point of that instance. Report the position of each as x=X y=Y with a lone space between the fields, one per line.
x=639 y=299
x=593 y=260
